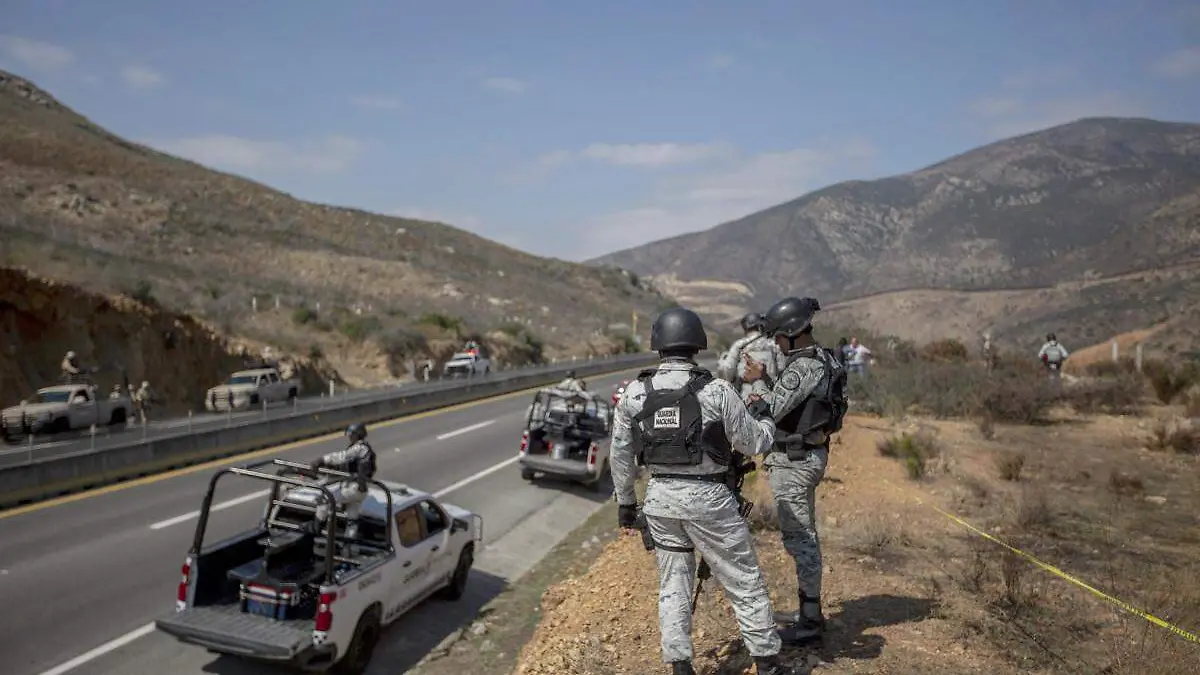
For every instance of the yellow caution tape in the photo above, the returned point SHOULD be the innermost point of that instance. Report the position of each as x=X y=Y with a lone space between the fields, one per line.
x=1064 y=575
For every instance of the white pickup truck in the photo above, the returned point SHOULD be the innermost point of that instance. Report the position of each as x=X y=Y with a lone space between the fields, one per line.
x=467 y=363
x=296 y=592
x=247 y=388
x=66 y=407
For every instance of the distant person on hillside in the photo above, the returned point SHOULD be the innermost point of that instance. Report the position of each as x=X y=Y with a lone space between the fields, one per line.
x=857 y=357
x=988 y=351
x=1053 y=355
x=842 y=352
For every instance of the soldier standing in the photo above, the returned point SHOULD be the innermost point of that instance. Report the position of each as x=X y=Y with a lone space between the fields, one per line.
x=807 y=403
x=685 y=425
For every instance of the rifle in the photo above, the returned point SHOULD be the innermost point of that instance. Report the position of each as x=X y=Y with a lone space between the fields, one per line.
x=735 y=478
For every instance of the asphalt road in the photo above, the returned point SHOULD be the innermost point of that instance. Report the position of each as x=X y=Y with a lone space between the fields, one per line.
x=110 y=436
x=83 y=571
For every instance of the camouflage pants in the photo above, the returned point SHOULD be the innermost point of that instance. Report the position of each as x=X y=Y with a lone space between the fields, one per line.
x=725 y=542
x=795 y=486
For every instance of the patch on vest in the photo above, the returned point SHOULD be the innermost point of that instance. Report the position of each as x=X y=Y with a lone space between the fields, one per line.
x=666 y=418
x=790 y=380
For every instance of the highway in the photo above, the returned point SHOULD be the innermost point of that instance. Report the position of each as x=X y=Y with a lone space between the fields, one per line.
x=83 y=576
x=67 y=443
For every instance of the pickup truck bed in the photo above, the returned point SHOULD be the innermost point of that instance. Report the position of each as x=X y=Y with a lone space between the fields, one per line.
x=226 y=628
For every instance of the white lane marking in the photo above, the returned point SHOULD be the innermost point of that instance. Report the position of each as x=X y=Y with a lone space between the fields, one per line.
x=115 y=644
x=473 y=427
x=110 y=646
x=219 y=507
x=471 y=479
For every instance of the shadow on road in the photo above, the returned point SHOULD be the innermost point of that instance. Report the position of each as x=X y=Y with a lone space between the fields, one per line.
x=405 y=642
x=599 y=493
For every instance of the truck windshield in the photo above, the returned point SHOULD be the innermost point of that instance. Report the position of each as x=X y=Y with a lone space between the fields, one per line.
x=52 y=397
x=462 y=356
x=243 y=379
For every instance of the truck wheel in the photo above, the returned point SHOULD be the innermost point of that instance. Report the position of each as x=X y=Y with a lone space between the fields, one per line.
x=527 y=474
x=601 y=481
x=59 y=425
x=118 y=417
x=458 y=582
x=291 y=395
x=362 y=646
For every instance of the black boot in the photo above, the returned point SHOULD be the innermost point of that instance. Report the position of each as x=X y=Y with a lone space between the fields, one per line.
x=809 y=624
x=682 y=668
x=770 y=665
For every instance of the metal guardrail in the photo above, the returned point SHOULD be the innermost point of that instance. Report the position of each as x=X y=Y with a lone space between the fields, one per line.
x=70 y=469
x=31 y=448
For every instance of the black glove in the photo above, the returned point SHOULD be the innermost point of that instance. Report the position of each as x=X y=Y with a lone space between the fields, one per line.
x=627 y=516
x=759 y=409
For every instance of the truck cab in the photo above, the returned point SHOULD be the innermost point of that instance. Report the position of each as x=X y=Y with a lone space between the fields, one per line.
x=299 y=592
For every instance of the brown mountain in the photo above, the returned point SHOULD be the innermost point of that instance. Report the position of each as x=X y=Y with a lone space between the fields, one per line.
x=1053 y=228
x=369 y=292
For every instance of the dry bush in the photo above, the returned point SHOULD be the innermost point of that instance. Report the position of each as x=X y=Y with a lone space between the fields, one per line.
x=1191 y=404
x=1142 y=648
x=949 y=350
x=1169 y=381
x=1016 y=397
x=1031 y=509
x=875 y=535
x=987 y=425
x=915 y=450
x=1178 y=436
x=1124 y=365
x=1009 y=465
x=1120 y=394
x=1125 y=484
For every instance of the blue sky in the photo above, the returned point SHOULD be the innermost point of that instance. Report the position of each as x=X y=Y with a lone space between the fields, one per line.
x=575 y=128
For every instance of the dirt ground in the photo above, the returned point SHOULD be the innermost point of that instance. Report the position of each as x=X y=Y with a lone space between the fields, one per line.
x=907 y=590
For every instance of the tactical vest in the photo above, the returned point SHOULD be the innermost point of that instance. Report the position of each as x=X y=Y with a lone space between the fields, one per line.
x=823 y=410
x=363 y=466
x=670 y=429
x=1054 y=353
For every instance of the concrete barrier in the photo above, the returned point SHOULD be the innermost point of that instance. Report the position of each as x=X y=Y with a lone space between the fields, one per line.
x=41 y=479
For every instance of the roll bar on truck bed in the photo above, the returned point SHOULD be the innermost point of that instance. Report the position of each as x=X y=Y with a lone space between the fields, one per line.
x=278 y=480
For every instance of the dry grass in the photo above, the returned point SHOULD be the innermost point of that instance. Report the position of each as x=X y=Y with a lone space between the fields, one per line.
x=1175 y=435
x=1009 y=465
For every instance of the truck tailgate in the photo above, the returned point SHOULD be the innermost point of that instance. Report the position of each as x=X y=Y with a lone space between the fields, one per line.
x=225 y=628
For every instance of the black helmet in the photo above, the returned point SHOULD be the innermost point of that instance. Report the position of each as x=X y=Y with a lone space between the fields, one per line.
x=791 y=316
x=356 y=432
x=751 y=321
x=1051 y=337
x=678 y=328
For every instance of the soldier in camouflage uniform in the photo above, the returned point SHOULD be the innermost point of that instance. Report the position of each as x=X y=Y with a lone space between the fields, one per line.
x=756 y=346
x=684 y=425
x=359 y=460
x=807 y=403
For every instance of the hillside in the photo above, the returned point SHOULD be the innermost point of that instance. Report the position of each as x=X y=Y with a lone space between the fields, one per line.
x=1093 y=200
x=369 y=292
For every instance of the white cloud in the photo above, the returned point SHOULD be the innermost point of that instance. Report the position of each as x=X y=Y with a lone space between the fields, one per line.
x=654 y=154
x=329 y=155
x=1006 y=117
x=506 y=84
x=34 y=54
x=721 y=61
x=378 y=103
x=743 y=185
x=1180 y=64
x=141 y=77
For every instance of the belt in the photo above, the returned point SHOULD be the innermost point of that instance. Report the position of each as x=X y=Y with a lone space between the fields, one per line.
x=706 y=477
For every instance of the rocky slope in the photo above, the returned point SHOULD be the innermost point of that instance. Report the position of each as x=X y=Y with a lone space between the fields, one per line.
x=1077 y=203
x=40 y=320
x=370 y=292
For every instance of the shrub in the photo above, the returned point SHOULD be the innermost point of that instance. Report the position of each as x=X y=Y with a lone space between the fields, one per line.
x=1009 y=464
x=1119 y=394
x=400 y=342
x=1169 y=381
x=1125 y=483
x=359 y=328
x=1109 y=368
x=1176 y=435
x=1191 y=404
x=303 y=315
x=443 y=321
x=915 y=450
x=315 y=352
x=1010 y=397
x=950 y=350
x=143 y=292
